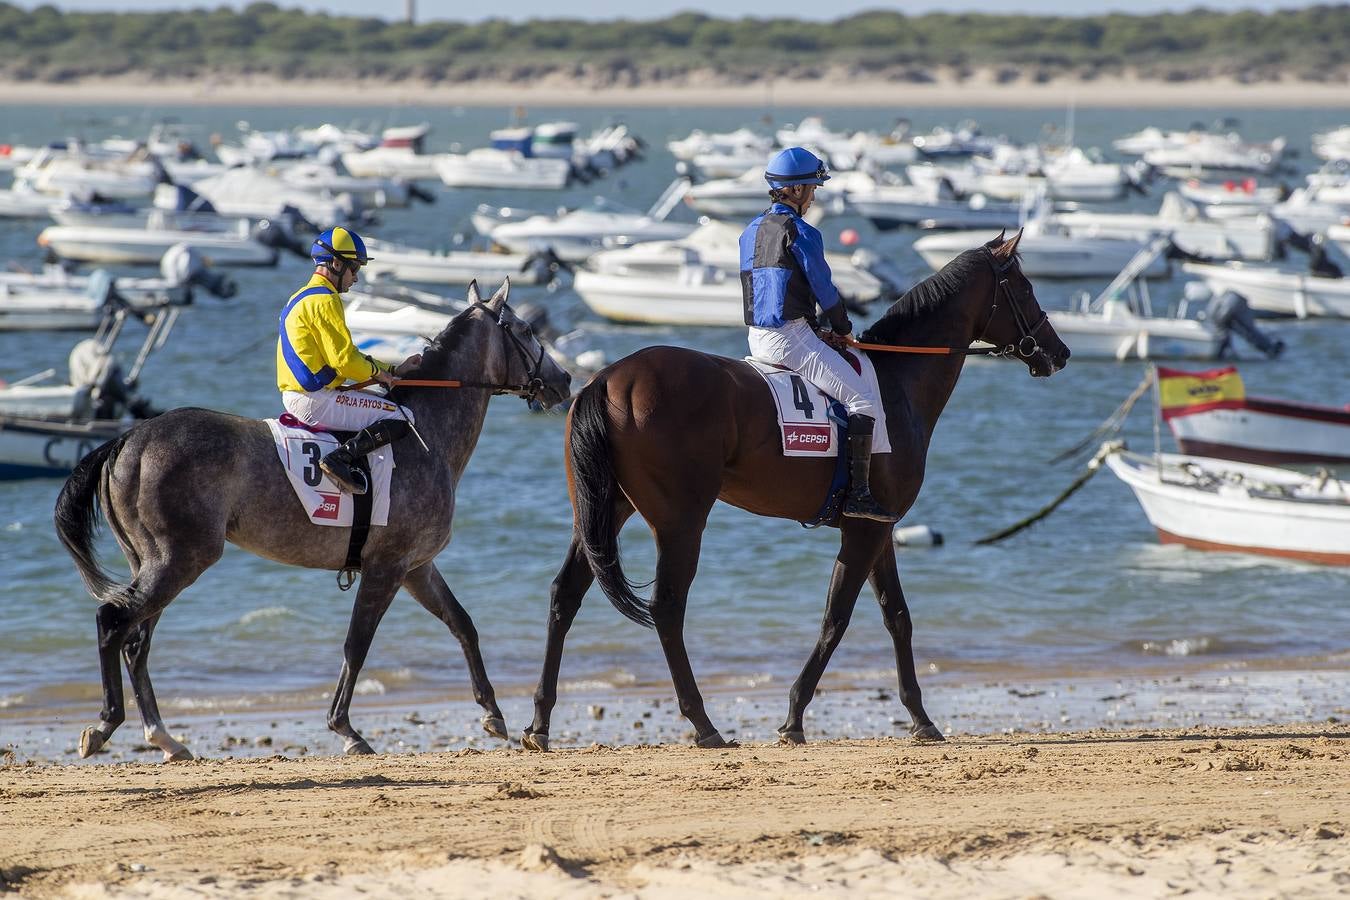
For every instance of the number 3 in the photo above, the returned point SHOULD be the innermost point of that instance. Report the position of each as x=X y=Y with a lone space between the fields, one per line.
x=312 y=475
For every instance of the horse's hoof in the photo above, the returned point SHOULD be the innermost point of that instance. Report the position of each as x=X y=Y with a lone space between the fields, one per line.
x=496 y=726
x=926 y=734
x=715 y=741
x=91 y=741
x=535 y=740
x=357 y=747
x=792 y=737
x=182 y=754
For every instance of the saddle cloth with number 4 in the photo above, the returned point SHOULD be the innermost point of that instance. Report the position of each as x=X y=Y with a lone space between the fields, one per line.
x=803 y=409
x=301 y=449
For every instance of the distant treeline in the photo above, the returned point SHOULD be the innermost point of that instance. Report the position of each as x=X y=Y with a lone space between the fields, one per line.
x=47 y=44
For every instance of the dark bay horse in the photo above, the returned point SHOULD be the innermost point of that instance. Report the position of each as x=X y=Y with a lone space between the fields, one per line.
x=667 y=432
x=175 y=488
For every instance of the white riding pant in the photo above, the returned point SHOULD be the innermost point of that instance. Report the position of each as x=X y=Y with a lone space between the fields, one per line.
x=341 y=410
x=796 y=346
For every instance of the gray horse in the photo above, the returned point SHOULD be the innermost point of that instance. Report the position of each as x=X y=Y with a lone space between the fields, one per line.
x=174 y=489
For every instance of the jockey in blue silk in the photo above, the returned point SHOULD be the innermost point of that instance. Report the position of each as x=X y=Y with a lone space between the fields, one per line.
x=315 y=355
x=784 y=277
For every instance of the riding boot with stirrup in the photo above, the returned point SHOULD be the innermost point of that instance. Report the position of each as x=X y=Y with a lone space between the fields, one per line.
x=340 y=465
x=860 y=504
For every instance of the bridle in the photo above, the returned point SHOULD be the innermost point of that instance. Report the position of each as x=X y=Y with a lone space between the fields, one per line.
x=1027 y=346
x=534 y=384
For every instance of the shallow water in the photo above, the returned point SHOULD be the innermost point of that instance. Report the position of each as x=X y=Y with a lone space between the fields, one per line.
x=1087 y=594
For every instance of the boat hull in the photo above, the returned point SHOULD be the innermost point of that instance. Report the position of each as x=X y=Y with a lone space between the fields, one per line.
x=37 y=449
x=1265 y=431
x=660 y=302
x=1234 y=517
x=1279 y=292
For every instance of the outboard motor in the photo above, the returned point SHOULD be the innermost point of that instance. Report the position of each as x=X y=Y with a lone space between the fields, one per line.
x=297 y=221
x=417 y=192
x=181 y=198
x=272 y=233
x=888 y=273
x=535 y=316
x=545 y=264
x=185 y=264
x=1229 y=314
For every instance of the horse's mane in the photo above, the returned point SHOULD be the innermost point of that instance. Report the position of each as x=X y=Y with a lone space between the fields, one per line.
x=926 y=296
x=436 y=355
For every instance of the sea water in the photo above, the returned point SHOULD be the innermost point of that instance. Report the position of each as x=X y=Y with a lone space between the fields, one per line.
x=1087 y=596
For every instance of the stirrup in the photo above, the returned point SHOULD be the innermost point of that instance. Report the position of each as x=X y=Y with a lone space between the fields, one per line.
x=348 y=478
x=863 y=506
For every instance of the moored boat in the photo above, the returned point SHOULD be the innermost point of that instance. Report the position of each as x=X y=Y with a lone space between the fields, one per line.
x=1211 y=504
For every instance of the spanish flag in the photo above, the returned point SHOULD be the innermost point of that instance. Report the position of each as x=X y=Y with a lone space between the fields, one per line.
x=1183 y=392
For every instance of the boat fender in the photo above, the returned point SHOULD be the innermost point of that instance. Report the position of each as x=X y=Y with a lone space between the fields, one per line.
x=916 y=536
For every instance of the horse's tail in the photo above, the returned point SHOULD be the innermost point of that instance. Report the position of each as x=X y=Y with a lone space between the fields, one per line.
x=594 y=491
x=77 y=520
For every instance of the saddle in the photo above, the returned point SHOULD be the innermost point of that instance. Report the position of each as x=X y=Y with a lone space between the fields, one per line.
x=810 y=421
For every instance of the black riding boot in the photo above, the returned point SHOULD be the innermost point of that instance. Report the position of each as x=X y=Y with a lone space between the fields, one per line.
x=340 y=465
x=860 y=504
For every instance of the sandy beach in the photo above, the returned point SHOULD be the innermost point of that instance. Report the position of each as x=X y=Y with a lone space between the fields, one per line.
x=982 y=89
x=1212 y=812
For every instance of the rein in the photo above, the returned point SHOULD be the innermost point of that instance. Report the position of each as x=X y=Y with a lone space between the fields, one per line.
x=529 y=390
x=1026 y=346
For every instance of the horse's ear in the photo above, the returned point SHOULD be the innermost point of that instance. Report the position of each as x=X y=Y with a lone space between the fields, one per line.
x=1011 y=247
x=499 y=296
x=473 y=295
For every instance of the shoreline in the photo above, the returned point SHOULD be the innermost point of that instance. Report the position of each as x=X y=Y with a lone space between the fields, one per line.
x=857 y=709
x=980 y=90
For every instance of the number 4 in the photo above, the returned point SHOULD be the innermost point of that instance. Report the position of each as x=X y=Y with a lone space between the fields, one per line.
x=801 y=397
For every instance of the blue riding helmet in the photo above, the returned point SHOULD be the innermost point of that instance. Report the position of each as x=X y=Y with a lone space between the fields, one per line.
x=795 y=165
x=339 y=243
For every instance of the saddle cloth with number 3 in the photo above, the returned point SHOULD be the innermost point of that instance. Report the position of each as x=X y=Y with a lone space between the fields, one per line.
x=301 y=449
x=803 y=409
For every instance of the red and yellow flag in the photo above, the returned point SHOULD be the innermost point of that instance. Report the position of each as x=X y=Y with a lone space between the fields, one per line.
x=1183 y=392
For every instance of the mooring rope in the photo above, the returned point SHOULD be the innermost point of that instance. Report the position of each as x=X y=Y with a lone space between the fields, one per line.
x=1093 y=465
x=1111 y=425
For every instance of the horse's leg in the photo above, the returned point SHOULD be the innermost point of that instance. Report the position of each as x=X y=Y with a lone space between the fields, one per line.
x=676 y=564
x=150 y=591
x=136 y=652
x=569 y=587
x=372 y=601
x=885 y=578
x=428 y=588
x=858 y=549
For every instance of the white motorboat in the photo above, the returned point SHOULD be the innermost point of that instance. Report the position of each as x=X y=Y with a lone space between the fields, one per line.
x=1333 y=145
x=1212 y=504
x=260 y=195
x=1277 y=290
x=576 y=234
x=1231 y=198
x=57 y=300
x=1121 y=323
x=246 y=245
x=1014 y=172
x=407 y=263
x=325 y=180
x=399 y=155
x=723 y=155
x=493 y=168
x=74 y=172
x=888 y=205
x=699 y=295
x=1215 y=153
x=748 y=195
x=1047 y=251
x=21 y=201
x=861 y=277
x=45 y=429
x=1210 y=414
x=1241 y=238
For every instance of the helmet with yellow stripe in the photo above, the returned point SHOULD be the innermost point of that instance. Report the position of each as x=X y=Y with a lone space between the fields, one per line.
x=339 y=244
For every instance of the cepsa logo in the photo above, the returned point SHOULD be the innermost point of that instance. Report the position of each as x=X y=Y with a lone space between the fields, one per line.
x=328 y=508
x=807 y=437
